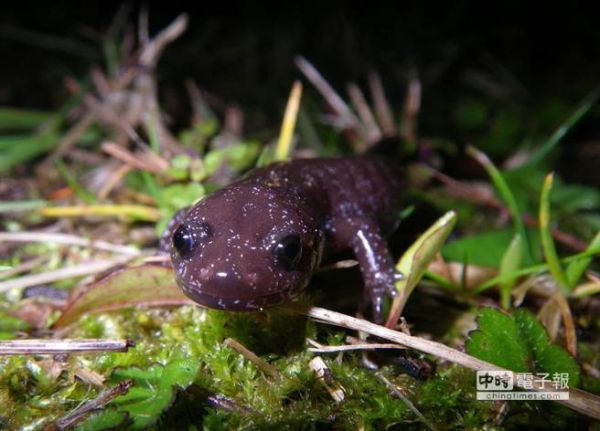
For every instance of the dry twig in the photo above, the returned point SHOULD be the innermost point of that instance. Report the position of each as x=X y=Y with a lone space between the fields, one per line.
x=51 y=347
x=397 y=392
x=80 y=413
x=86 y=268
x=348 y=119
x=324 y=374
x=261 y=364
x=371 y=129
x=412 y=105
x=320 y=348
x=62 y=238
x=23 y=267
x=382 y=106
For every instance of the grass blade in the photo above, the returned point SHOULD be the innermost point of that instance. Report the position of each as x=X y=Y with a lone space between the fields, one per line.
x=138 y=212
x=592 y=251
x=511 y=261
x=72 y=182
x=587 y=289
x=15 y=150
x=505 y=193
x=22 y=119
x=21 y=206
x=284 y=144
x=576 y=269
x=546 y=235
x=550 y=143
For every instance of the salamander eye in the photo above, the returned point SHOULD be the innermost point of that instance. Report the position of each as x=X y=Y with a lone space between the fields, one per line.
x=183 y=241
x=288 y=251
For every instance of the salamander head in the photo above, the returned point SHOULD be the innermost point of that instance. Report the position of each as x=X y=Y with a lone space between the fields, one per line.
x=246 y=247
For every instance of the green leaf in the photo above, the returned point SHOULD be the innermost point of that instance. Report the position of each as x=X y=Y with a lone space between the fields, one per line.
x=498 y=341
x=416 y=259
x=178 y=196
x=519 y=343
x=547 y=357
x=414 y=262
x=179 y=166
x=174 y=197
x=239 y=156
x=485 y=249
x=243 y=155
x=154 y=389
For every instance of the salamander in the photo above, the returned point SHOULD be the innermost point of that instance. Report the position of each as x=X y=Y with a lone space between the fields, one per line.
x=256 y=243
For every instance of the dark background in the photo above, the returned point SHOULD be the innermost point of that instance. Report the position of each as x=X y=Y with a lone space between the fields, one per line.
x=243 y=52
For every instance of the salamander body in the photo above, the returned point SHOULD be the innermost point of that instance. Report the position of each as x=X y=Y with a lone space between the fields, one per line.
x=256 y=242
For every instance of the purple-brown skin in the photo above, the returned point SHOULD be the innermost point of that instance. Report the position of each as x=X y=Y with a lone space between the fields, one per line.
x=257 y=242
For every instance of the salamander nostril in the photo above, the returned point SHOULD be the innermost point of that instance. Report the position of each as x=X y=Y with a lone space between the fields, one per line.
x=183 y=241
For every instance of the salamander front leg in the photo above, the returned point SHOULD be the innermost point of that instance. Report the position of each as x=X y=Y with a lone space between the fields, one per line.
x=376 y=265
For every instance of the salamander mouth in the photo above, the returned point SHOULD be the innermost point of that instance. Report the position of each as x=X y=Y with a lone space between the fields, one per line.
x=255 y=303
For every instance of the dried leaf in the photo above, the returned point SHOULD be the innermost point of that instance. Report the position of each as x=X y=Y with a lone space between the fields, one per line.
x=147 y=285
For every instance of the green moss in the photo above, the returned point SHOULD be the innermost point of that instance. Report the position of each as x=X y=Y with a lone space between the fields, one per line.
x=10 y=324
x=295 y=399
x=449 y=400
